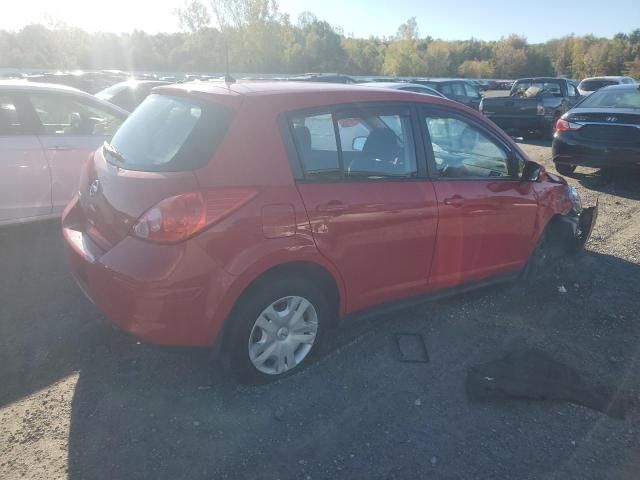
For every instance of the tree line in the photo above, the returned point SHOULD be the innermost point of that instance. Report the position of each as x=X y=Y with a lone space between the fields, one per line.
x=257 y=38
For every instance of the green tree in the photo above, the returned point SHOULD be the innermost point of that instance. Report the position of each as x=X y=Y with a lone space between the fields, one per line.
x=510 y=57
x=476 y=69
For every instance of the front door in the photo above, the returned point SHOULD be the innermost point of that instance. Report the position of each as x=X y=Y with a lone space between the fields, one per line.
x=25 y=184
x=373 y=213
x=71 y=130
x=486 y=215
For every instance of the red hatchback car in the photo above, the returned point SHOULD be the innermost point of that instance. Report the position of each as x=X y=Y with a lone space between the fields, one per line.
x=250 y=217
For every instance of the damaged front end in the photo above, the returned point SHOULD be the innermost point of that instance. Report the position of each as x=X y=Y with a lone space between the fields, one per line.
x=580 y=221
x=586 y=222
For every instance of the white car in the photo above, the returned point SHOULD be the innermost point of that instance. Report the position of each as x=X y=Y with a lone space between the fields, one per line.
x=590 y=85
x=406 y=86
x=47 y=132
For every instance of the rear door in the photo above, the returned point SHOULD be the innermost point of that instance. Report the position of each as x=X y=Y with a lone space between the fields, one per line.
x=486 y=215
x=71 y=129
x=25 y=184
x=372 y=210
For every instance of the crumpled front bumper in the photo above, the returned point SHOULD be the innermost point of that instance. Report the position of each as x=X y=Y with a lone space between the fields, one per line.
x=586 y=222
x=578 y=225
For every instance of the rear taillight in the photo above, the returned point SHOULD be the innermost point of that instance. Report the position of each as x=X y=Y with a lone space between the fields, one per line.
x=540 y=109
x=563 y=125
x=175 y=219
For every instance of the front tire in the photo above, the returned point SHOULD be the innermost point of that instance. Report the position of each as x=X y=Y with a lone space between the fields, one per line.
x=276 y=328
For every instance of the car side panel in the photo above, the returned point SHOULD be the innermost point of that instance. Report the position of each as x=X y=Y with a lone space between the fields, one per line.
x=490 y=233
x=66 y=155
x=25 y=181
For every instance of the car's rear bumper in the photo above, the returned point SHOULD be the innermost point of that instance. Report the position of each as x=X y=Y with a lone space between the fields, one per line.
x=164 y=294
x=571 y=151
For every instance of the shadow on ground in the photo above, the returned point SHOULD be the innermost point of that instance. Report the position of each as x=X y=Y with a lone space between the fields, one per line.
x=140 y=411
x=144 y=412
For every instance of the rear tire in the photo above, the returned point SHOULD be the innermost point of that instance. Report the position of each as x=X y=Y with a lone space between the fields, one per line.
x=276 y=328
x=565 y=169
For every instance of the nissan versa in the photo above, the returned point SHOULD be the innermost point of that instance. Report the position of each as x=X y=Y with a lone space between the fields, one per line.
x=250 y=217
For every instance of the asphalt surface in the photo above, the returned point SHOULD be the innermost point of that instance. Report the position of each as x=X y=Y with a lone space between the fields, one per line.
x=81 y=400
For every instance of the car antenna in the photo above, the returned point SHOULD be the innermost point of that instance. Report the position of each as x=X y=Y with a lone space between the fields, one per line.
x=228 y=79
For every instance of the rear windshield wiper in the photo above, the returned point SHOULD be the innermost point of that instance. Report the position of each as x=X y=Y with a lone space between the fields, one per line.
x=113 y=151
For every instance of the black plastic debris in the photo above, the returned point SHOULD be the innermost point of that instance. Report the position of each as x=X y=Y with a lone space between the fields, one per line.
x=532 y=374
x=412 y=348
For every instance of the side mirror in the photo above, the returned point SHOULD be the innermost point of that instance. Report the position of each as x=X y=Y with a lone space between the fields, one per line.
x=530 y=172
x=358 y=143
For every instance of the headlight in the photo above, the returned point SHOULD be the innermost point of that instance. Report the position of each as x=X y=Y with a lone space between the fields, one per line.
x=576 y=201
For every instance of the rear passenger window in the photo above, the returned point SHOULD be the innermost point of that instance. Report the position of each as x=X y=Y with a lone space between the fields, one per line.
x=462 y=150
x=10 y=122
x=371 y=144
x=315 y=139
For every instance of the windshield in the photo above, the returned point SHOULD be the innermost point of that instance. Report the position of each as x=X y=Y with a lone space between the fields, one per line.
x=169 y=133
x=593 y=85
x=613 y=98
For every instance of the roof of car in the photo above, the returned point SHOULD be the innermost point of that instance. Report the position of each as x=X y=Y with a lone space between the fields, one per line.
x=258 y=88
x=391 y=84
x=542 y=79
x=606 y=77
x=621 y=86
x=42 y=86
x=54 y=87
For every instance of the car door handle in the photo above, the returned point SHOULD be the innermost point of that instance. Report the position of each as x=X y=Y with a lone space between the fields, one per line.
x=334 y=207
x=59 y=148
x=455 y=201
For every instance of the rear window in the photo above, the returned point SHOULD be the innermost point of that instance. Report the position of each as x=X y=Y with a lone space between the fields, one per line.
x=169 y=133
x=593 y=85
x=613 y=98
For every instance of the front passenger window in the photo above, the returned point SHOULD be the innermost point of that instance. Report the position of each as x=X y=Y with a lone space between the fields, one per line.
x=463 y=150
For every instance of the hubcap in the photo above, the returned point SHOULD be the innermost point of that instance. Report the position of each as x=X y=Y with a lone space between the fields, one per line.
x=282 y=335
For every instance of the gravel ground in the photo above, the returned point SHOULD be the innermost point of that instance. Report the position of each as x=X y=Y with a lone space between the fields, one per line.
x=81 y=400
